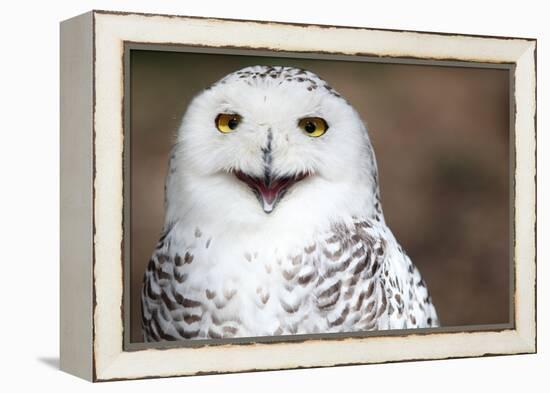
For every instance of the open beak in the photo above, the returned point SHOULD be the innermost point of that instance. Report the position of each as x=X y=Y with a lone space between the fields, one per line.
x=269 y=191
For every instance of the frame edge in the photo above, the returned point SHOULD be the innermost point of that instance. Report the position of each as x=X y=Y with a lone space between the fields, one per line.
x=76 y=204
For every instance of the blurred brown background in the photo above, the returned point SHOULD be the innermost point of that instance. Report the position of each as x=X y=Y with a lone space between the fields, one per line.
x=441 y=137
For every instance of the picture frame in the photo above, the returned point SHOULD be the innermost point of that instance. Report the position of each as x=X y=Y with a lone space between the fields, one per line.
x=95 y=313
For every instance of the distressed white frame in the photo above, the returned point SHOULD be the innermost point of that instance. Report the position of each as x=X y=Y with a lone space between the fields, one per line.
x=95 y=349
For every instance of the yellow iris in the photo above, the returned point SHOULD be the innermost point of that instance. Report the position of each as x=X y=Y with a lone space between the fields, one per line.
x=313 y=126
x=227 y=122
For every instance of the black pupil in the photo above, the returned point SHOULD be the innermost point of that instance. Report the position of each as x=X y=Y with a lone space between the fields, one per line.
x=310 y=127
x=233 y=123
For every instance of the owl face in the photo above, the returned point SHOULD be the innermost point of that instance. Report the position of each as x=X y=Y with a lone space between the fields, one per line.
x=265 y=139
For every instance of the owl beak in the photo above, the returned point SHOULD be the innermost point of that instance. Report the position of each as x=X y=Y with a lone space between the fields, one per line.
x=269 y=191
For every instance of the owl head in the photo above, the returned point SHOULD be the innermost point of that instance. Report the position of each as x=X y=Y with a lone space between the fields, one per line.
x=269 y=143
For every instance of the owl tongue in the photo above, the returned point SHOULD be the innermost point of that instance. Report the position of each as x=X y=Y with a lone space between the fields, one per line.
x=269 y=192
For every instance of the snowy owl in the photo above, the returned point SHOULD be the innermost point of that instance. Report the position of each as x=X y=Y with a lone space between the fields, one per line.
x=273 y=221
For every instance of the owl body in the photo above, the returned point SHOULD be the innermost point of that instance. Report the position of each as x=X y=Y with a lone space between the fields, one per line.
x=349 y=277
x=273 y=227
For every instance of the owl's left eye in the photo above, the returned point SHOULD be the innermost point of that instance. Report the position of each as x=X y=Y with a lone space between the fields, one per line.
x=313 y=126
x=227 y=122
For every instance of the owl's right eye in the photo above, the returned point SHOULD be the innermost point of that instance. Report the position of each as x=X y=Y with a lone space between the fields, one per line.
x=227 y=122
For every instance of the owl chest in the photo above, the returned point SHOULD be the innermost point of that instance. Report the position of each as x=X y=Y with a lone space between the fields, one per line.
x=344 y=281
x=260 y=293
x=266 y=292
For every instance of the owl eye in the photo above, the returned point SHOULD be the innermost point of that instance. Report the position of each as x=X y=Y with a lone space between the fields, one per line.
x=227 y=122
x=313 y=126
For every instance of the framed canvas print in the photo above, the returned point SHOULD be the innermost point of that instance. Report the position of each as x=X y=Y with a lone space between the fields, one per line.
x=246 y=195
